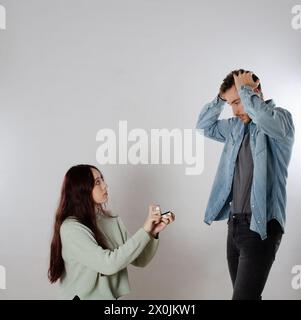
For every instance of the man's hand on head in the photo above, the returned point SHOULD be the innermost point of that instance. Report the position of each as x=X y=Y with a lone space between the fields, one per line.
x=245 y=78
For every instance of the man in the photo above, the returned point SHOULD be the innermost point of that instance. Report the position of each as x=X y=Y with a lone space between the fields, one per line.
x=249 y=187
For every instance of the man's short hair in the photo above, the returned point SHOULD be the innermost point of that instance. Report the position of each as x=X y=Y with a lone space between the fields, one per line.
x=228 y=82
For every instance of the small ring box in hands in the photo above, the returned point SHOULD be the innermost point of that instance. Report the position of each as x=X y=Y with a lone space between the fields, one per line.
x=167 y=213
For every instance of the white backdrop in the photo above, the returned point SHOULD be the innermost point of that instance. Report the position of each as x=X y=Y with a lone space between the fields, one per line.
x=71 y=68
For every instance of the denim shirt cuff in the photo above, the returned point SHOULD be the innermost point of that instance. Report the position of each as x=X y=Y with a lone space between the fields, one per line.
x=245 y=89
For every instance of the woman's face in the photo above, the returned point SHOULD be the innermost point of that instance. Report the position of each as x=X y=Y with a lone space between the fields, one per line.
x=100 y=190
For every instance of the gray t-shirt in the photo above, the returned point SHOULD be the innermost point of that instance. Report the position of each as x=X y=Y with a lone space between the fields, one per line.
x=243 y=176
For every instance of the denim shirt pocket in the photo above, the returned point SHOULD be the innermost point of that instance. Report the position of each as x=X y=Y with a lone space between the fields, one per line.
x=259 y=142
x=229 y=143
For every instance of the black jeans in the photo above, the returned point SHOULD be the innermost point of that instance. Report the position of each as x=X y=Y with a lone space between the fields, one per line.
x=249 y=258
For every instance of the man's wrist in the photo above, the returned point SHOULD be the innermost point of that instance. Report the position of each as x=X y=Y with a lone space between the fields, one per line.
x=245 y=87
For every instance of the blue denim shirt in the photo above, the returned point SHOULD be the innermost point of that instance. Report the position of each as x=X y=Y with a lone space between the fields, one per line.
x=271 y=140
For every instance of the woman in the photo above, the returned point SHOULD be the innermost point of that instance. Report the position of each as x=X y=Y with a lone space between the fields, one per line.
x=91 y=249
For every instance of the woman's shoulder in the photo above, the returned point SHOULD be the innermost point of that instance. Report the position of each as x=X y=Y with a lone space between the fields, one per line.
x=71 y=224
x=71 y=220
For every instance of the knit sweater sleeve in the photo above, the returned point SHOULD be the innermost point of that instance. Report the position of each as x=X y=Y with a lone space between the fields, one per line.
x=79 y=244
x=147 y=253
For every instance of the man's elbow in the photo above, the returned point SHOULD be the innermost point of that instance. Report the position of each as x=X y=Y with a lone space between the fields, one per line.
x=201 y=124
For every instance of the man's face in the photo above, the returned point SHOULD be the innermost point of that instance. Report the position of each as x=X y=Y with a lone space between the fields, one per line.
x=234 y=101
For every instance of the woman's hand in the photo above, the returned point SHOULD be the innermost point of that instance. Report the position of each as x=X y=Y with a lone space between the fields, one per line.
x=155 y=222
x=153 y=218
x=167 y=219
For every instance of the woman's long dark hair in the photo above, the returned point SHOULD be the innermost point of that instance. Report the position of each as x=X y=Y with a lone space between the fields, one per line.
x=76 y=200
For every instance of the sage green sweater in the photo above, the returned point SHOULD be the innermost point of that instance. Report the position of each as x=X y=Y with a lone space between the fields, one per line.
x=92 y=272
